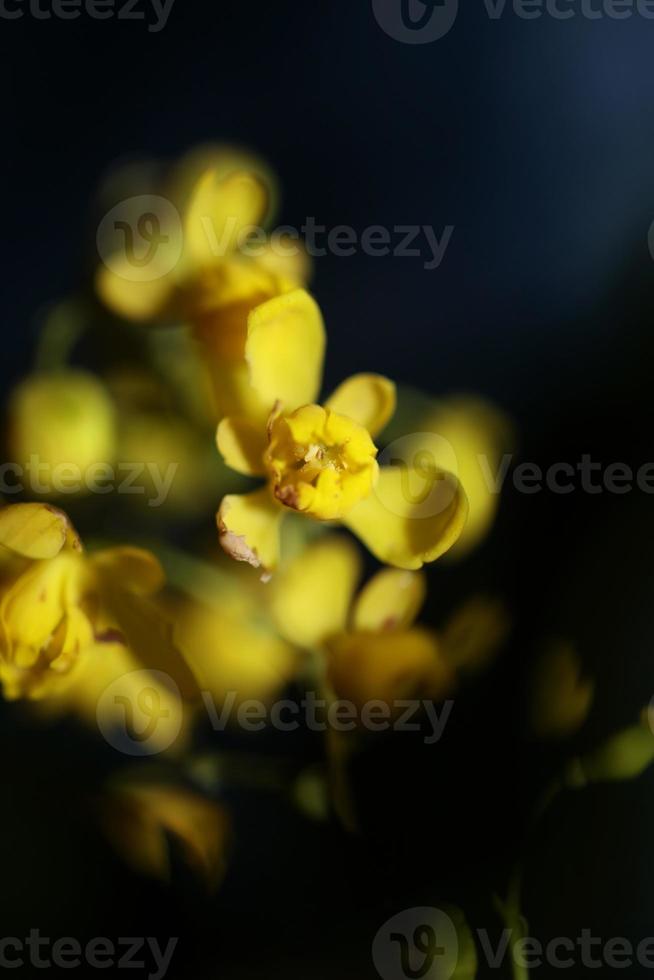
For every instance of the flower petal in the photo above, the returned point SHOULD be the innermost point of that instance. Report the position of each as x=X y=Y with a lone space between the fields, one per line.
x=311 y=595
x=287 y=258
x=475 y=632
x=388 y=667
x=405 y=529
x=133 y=569
x=219 y=214
x=285 y=349
x=231 y=647
x=133 y=299
x=562 y=695
x=36 y=531
x=474 y=435
x=138 y=623
x=242 y=445
x=249 y=526
x=368 y=399
x=140 y=820
x=390 y=600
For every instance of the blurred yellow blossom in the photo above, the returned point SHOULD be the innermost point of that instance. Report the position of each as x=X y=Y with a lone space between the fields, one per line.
x=72 y=624
x=561 y=696
x=373 y=649
x=64 y=423
x=232 y=648
x=143 y=820
x=227 y=268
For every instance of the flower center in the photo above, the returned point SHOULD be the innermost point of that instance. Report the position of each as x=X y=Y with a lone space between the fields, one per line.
x=320 y=463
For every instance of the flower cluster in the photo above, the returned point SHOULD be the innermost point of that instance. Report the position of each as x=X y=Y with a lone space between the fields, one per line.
x=225 y=347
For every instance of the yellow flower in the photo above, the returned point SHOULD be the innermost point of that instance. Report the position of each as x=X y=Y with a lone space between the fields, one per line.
x=229 y=642
x=143 y=820
x=373 y=649
x=321 y=460
x=66 y=420
x=71 y=625
x=219 y=278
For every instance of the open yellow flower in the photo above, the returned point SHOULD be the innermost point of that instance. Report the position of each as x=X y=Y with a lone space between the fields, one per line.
x=320 y=461
x=73 y=624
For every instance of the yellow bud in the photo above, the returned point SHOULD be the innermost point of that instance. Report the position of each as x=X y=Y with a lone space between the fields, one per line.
x=63 y=424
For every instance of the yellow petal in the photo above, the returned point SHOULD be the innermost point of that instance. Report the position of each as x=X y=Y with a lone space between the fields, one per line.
x=475 y=434
x=287 y=258
x=135 y=622
x=133 y=569
x=368 y=399
x=36 y=530
x=388 y=667
x=390 y=600
x=285 y=349
x=139 y=821
x=475 y=632
x=140 y=301
x=219 y=214
x=561 y=698
x=242 y=445
x=35 y=605
x=249 y=526
x=140 y=708
x=232 y=648
x=311 y=595
x=406 y=529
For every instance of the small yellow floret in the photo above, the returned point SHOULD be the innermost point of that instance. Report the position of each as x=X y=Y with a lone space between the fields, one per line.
x=320 y=462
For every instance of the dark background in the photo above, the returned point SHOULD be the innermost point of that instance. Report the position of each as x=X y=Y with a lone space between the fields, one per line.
x=535 y=139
